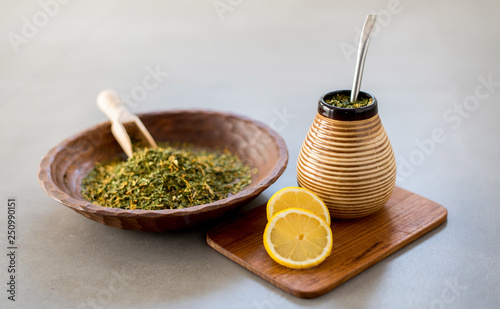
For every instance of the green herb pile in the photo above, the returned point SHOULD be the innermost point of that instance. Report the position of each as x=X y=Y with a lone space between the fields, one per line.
x=166 y=178
x=344 y=101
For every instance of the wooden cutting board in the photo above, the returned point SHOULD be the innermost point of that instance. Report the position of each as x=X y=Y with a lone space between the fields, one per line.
x=357 y=244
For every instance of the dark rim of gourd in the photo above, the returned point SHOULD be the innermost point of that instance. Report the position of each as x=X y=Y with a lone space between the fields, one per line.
x=347 y=114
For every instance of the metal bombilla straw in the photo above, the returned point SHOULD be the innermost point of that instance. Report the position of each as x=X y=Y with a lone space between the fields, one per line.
x=362 y=49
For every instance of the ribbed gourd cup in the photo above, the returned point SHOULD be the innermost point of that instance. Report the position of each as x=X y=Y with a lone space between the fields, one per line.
x=347 y=159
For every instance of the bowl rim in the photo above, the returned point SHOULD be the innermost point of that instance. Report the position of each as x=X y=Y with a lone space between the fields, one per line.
x=48 y=184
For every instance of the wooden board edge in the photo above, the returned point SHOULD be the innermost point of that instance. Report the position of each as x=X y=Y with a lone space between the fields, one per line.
x=442 y=218
x=439 y=220
x=236 y=259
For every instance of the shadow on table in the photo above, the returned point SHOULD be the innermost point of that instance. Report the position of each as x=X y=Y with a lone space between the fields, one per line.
x=90 y=265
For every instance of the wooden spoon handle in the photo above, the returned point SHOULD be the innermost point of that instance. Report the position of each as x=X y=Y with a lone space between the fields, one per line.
x=109 y=103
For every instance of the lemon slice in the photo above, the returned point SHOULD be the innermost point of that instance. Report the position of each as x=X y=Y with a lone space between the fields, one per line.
x=297 y=197
x=297 y=238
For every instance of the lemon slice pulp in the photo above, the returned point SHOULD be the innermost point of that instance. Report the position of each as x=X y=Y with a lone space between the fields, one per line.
x=298 y=238
x=297 y=197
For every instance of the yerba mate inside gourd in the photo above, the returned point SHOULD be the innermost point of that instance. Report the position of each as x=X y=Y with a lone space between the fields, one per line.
x=344 y=101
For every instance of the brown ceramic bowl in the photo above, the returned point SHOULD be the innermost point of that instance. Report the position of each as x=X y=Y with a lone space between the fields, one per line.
x=62 y=169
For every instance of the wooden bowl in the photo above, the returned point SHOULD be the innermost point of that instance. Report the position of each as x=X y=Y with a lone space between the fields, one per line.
x=347 y=159
x=63 y=168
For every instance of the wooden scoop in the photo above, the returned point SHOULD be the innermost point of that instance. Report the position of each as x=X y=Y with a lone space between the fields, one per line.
x=110 y=104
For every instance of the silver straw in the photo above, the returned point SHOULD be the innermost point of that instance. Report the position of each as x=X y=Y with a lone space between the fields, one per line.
x=362 y=49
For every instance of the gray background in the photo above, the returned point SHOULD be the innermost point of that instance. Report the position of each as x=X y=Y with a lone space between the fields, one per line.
x=260 y=59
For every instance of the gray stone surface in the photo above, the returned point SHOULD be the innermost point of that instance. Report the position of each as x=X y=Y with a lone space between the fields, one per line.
x=259 y=59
